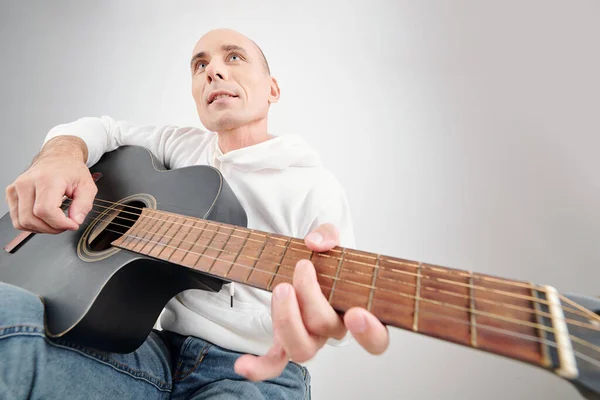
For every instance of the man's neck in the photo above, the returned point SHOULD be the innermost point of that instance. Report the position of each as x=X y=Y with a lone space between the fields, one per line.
x=243 y=136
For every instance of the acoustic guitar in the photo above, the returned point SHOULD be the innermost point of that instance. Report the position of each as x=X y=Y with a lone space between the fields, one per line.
x=154 y=233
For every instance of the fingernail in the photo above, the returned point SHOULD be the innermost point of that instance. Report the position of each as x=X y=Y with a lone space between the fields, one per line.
x=79 y=218
x=281 y=292
x=315 y=237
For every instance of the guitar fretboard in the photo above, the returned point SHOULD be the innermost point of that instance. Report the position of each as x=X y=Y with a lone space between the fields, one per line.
x=489 y=313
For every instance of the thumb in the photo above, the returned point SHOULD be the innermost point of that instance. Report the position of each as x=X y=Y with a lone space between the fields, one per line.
x=83 y=199
x=324 y=238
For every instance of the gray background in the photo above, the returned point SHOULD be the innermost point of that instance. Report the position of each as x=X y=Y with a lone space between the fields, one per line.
x=466 y=133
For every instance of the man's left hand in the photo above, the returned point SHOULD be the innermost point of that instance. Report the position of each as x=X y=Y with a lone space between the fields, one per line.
x=303 y=319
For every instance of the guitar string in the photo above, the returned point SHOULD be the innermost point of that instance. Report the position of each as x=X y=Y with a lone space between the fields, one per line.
x=455 y=283
x=490 y=315
x=425 y=311
x=389 y=304
x=586 y=344
x=531 y=310
x=526 y=336
x=518 y=308
x=223 y=250
x=412 y=264
x=393 y=270
x=587 y=312
x=219 y=249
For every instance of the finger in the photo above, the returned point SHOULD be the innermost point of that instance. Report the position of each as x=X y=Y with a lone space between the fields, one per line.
x=47 y=207
x=260 y=368
x=368 y=331
x=319 y=316
x=27 y=218
x=324 y=238
x=288 y=324
x=83 y=200
x=12 y=201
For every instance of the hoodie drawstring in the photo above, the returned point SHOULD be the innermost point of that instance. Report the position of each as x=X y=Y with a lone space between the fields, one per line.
x=231 y=292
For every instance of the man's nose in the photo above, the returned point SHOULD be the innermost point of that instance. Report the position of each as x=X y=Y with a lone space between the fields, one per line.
x=215 y=71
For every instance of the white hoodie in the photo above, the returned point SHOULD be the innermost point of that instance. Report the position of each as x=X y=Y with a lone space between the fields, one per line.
x=280 y=183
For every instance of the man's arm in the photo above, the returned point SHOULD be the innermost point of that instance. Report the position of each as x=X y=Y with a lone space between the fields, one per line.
x=35 y=197
x=61 y=168
x=104 y=134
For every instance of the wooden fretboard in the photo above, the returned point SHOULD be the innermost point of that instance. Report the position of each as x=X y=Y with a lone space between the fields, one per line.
x=480 y=311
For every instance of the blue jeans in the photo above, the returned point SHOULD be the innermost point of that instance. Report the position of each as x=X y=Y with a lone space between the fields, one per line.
x=166 y=366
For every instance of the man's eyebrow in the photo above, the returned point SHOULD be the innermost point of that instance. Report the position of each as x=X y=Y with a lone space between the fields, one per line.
x=196 y=56
x=225 y=47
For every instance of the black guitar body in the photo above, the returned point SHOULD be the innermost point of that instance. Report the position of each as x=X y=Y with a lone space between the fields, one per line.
x=113 y=297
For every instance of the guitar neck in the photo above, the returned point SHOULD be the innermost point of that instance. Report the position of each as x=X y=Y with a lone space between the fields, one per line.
x=493 y=314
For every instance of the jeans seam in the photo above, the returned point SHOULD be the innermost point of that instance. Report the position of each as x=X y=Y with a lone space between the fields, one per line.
x=179 y=375
x=184 y=347
x=18 y=329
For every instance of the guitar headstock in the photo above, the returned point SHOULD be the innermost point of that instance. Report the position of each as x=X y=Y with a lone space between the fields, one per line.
x=582 y=315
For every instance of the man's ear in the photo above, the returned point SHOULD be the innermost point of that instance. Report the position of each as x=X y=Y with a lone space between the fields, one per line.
x=274 y=93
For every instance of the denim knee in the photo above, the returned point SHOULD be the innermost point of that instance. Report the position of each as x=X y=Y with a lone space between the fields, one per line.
x=20 y=307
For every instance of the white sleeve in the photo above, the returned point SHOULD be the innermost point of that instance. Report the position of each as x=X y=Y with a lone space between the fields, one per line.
x=336 y=211
x=104 y=134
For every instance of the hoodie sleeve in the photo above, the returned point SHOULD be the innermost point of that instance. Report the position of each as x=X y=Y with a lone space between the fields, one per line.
x=104 y=134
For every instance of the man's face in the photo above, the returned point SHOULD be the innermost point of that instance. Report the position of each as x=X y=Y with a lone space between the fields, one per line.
x=230 y=83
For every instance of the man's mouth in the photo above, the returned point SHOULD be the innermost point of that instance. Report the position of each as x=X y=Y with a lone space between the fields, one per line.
x=219 y=95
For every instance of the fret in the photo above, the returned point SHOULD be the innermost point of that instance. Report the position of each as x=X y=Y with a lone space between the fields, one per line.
x=337 y=275
x=224 y=251
x=132 y=237
x=179 y=231
x=393 y=300
x=237 y=254
x=354 y=282
x=213 y=252
x=243 y=253
x=153 y=240
x=373 y=284
x=415 y=326
x=492 y=298
x=260 y=251
x=184 y=248
x=285 y=265
x=199 y=248
x=263 y=272
x=472 y=311
x=151 y=226
x=163 y=240
x=444 y=305
x=285 y=250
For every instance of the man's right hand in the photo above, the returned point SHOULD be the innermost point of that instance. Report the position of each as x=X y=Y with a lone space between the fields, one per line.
x=35 y=197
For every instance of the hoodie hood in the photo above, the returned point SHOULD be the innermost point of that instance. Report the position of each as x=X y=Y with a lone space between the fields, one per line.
x=278 y=153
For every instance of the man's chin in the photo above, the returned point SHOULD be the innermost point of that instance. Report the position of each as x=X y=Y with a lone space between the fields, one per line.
x=224 y=123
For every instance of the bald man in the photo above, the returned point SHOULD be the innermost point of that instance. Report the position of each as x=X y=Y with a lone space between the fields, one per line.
x=206 y=348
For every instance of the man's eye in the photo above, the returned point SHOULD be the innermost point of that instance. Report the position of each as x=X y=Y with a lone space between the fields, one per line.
x=231 y=57
x=200 y=66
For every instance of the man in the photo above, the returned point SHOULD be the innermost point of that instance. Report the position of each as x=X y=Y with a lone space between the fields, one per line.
x=206 y=348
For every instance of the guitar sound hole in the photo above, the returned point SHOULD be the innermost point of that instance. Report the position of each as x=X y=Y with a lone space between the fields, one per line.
x=114 y=224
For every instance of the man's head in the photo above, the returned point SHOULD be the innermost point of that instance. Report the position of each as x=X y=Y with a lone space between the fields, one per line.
x=231 y=81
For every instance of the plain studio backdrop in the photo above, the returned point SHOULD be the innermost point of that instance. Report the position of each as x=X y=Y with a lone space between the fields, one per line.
x=466 y=134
